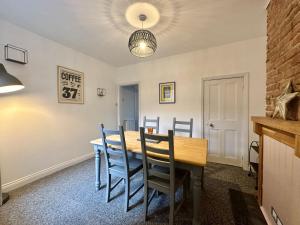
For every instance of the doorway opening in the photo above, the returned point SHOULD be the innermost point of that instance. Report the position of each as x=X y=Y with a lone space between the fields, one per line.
x=225 y=118
x=129 y=106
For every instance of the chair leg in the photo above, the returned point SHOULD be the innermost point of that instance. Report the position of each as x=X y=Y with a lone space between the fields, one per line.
x=172 y=208
x=189 y=181
x=202 y=178
x=145 y=202
x=108 y=185
x=127 y=193
x=186 y=188
x=190 y=185
x=157 y=194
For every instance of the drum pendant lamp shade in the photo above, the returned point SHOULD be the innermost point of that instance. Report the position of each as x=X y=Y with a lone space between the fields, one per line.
x=8 y=83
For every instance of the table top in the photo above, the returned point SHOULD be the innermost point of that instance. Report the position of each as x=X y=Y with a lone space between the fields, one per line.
x=187 y=150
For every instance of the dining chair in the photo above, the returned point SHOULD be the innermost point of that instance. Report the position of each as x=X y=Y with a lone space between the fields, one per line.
x=188 y=130
x=151 y=123
x=159 y=171
x=118 y=163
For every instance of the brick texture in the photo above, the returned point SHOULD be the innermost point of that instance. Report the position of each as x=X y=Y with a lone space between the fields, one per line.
x=283 y=52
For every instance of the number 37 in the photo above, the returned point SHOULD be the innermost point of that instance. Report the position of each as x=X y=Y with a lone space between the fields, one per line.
x=69 y=92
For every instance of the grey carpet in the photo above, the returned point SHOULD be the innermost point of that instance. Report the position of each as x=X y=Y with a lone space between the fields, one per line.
x=245 y=209
x=69 y=197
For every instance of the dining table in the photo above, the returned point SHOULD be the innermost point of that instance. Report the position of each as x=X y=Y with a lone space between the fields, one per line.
x=189 y=154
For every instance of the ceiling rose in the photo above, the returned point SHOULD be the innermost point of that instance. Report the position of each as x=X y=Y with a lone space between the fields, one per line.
x=134 y=11
x=162 y=16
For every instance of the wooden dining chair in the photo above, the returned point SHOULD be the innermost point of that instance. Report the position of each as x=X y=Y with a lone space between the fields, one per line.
x=151 y=123
x=188 y=130
x=118 y=163
x=159 y=171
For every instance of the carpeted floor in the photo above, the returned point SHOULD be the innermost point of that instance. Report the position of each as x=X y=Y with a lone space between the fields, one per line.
x=69 y=197
x=245 y=209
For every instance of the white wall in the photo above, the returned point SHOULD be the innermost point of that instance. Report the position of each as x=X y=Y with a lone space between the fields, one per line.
x=188 y=69
x=36 y=132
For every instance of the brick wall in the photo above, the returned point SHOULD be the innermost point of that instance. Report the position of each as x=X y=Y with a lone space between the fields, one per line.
x=283 y=52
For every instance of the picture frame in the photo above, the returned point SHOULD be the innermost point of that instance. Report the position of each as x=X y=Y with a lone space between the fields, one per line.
x=15 y=54
x=167 y=93
x=70 y=85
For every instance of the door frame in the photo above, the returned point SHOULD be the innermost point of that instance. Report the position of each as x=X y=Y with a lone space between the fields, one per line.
x=245 y=111
x=119 y=98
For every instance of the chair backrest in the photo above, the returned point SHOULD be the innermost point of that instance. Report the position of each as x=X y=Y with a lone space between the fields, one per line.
x=151 y=123
x=115 y=151
x=163 y=158
x=188 y=130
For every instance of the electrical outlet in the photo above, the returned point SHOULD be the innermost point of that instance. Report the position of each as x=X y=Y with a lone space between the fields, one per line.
x=274 y=214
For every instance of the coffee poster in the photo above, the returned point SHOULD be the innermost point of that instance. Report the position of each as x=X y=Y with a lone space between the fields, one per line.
x=70 y=84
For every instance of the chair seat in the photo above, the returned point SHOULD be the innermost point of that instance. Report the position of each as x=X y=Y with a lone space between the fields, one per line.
x=135 y=165
x=163 y=185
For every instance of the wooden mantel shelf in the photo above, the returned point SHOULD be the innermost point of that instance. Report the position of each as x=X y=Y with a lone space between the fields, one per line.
x=285 y=131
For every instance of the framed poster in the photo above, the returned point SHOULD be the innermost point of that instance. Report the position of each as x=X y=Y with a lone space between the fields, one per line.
x=70 y=84
x=167 y=93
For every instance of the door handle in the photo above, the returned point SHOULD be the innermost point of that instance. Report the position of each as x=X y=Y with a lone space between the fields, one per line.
x=211 y=125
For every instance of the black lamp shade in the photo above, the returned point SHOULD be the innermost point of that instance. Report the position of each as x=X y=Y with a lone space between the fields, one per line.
x=8 y=83
x=142 y=43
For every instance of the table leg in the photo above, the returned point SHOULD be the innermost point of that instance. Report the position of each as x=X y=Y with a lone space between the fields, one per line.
x=97 y=166
x=196 y=180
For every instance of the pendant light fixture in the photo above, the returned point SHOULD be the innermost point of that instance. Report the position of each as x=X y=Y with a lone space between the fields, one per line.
x=142 y=43
x=8 y=83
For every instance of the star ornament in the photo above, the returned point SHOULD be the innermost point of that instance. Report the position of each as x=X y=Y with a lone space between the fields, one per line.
x=283 y=100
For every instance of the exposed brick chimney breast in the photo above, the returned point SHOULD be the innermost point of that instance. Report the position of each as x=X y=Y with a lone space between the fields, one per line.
x=283 y=52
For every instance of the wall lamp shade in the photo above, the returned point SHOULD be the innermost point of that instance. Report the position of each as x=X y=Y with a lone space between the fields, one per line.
x=8 y=83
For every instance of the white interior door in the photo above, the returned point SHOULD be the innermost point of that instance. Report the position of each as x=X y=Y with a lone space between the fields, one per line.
x=223 y=120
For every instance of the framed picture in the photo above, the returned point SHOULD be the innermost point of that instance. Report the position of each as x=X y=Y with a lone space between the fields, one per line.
x=70 y=85
x=167 y=93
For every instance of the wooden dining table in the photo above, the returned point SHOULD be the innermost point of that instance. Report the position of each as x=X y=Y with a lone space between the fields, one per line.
x=189 y=154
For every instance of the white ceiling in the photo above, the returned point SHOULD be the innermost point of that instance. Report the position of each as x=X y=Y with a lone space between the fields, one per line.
x=99 y=28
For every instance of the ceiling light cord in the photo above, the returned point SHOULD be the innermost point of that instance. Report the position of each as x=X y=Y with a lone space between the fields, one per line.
x=142 y=18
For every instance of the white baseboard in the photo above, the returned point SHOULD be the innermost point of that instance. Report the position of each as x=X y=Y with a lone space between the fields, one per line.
x=45 y=172
x=266 y=216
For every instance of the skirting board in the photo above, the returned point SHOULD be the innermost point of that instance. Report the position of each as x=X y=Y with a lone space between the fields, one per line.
x=266 y=216
x=40 y=174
